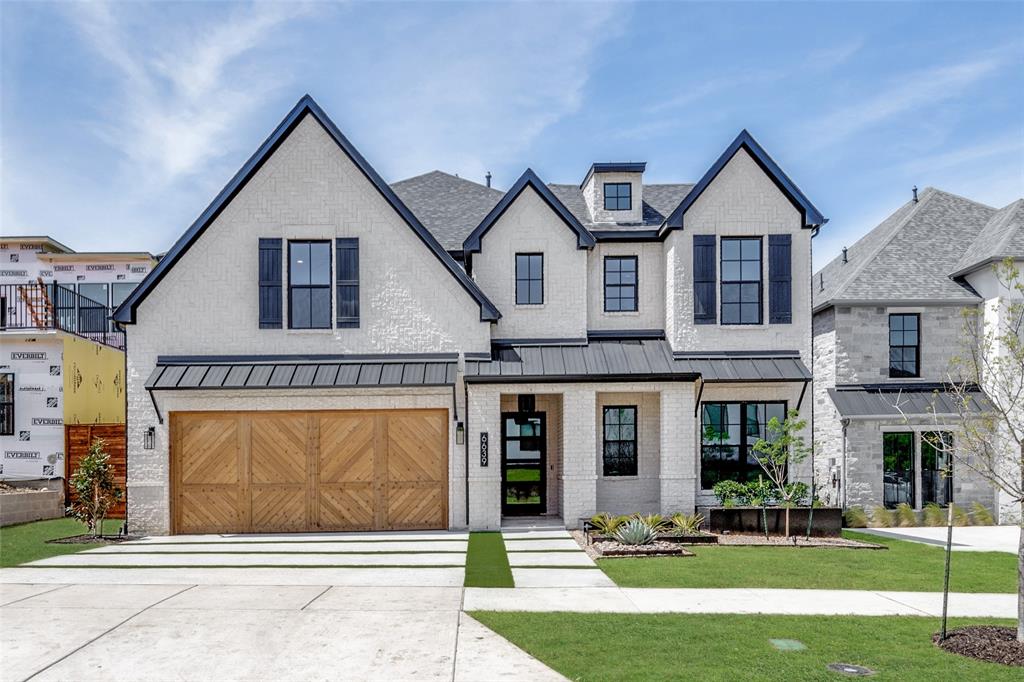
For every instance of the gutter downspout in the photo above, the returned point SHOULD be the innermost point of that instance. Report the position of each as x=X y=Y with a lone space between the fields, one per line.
x=845 y=421
x=465 y=393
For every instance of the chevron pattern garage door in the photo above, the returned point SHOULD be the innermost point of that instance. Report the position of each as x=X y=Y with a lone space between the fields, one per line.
x=275 y=472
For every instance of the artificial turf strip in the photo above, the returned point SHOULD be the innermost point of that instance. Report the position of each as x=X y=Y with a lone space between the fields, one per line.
x=726 y=648
x=486 y=561
x=903 y=567
x=26 y=542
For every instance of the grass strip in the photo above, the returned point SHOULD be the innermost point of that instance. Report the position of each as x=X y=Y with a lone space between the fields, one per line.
x=26 y=542
x=486 y=562
x=342 y=553
x=299 y=542
x=728 y=648
x=282 y=566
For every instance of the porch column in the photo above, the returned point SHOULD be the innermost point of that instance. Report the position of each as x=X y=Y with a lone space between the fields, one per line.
x=579 y=455
x=484 y=415
x=678 y=449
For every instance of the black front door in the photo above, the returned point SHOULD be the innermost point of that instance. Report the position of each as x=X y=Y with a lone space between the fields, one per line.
x=523 y=460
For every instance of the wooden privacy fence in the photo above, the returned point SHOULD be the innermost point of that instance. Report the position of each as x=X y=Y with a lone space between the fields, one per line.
x=78 y=438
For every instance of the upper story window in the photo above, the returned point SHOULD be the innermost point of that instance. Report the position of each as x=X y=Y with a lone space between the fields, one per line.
x=741 y=280
x=904 y=345
x=7 y=404
x=728 y=434
x=620 y=441
x=620 y=284
x=309 y=285
x=529 y=278
x=618 y=196
x=92 y=307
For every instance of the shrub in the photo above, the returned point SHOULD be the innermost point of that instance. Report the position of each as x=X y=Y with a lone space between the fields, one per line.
x=798 y=492
x=761 y=492
x=655 y=521
x=933 y=515
x=982 y=516
x=905 y=515
x=95 y=489
x=635 y=532
x=606 y=524
x=960 y=516
x=730 y=493
x=882 y=518
x=686 y=524
x=855 y=517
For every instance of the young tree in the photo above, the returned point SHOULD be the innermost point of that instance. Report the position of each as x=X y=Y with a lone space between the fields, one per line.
x=95 y=489
x=783 y=448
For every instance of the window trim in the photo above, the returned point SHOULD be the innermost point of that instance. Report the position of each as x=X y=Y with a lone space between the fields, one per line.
x=636 y=284
x=917 y=347
x=346 y=243
x=722 y=282
x=743 y=444
x=328 y=286
x=517 y=278
x=618 y=197
x=635 y=440
x=4 y=402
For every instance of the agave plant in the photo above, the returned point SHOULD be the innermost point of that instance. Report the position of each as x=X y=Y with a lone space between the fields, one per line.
x=686 y=524
x=635 y=532
x=606 y=524
x=655 y=521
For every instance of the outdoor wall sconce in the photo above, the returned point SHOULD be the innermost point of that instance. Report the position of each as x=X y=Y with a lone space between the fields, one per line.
x=149 y=440
x=460 y=433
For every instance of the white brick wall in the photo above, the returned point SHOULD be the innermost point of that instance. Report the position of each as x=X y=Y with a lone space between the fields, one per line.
x=593 y=194
x=650 y=312
x=640 y=493
x=530 y=226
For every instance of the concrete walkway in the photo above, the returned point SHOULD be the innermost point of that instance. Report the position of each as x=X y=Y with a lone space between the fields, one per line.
x=550 y=558
x=965 y=538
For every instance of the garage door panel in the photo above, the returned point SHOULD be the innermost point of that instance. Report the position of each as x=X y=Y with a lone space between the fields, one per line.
x=209 y=509
x=347 y=448
x=279 y=509
x=417 y=447
x=279 y=445
x=416 y=506
x=209 y=452
x=347 y=507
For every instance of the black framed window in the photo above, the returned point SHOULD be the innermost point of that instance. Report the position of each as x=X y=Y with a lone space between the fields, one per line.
x=897 y=468
x=937 y=467
x=529 y=278
x=618 y=196
x=620 y=441
x=92 y=307
x=348 y=283
x=728 y=434
x=741 y=280
x=7 y=404
x=904 y=345
x=620 y=284
x=309 y=285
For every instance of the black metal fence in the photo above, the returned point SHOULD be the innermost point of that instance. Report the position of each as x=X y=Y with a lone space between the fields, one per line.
x=38 y=305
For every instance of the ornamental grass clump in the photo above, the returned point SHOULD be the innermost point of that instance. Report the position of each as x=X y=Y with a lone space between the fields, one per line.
x=635 y=532
x=882 y=518
x=981 y=515
x=933 y=515
x=855 y=517
x=905 y=515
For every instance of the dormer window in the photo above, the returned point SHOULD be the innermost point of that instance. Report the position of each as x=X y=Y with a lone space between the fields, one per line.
x=618 y=196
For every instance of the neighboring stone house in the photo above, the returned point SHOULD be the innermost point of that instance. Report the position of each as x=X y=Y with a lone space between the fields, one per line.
x=887 y=325
x=322 y=350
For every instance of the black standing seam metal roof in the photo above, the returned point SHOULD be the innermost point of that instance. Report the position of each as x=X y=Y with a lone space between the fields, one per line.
x=125 y=313
x=302 y=373
x=897 y=400
x=745 y=367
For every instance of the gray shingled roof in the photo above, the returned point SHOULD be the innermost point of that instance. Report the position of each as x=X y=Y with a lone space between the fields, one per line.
x=1002 y=237
x=909 y=256
x=447 y=205
x=897 y=400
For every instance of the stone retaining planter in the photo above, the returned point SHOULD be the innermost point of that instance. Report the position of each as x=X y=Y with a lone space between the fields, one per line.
x=27 y=504
x=613 y=549
x=828 y=521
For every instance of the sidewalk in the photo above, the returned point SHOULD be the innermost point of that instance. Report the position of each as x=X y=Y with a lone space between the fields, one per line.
x=965 y=538
x=785 y=602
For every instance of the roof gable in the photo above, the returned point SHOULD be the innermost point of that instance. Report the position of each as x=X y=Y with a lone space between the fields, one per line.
x=584 y=239
x=1002 y=237
x=126 y=312
x=812 y=218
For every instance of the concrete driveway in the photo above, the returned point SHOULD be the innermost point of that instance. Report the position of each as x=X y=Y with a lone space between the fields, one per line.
x=325 y=606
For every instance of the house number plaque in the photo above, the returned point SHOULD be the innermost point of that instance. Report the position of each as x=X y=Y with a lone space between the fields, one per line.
x=484 y=449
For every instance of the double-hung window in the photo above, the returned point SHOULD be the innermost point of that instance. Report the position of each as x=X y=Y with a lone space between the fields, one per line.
x=620 y=284
x=728 y=434
x=618 y=196
x=529 y=278
x=620 y=441
x=741 y=280
x=7 y=404
x=309 y=285
x=904 y=345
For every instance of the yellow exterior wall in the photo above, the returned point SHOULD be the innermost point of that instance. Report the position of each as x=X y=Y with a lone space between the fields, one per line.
x=93 y=383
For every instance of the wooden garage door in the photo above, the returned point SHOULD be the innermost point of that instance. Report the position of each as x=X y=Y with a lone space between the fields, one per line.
x=272 y=472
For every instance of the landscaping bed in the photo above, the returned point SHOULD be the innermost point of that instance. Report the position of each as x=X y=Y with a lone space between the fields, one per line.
x=92 y=539
x=607 y=547
x=984 y=642
x=747 y=540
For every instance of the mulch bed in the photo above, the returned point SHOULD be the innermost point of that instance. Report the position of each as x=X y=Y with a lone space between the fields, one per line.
x=985 y=642
x=88 y=539
x=794 y=541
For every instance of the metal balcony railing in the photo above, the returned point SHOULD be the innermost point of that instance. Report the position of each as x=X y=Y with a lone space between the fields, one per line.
x=40 y=305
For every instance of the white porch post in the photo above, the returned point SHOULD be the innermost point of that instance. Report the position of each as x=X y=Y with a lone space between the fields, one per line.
x=678 y=449
x=484 y=415
x=579 y=455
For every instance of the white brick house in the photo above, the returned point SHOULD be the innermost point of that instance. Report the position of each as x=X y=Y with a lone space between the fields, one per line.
x=321 y=350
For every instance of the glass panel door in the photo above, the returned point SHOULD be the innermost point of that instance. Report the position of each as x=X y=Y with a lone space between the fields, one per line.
x=523 y=458
x=898 y=472
x=937 y=467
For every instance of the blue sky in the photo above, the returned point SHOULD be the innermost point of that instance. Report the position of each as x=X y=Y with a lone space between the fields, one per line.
x=119 y=122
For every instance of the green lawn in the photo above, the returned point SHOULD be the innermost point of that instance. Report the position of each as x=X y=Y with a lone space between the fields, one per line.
x=585 y=646
x=27 y=541
x=486 y=561
x=905 y=566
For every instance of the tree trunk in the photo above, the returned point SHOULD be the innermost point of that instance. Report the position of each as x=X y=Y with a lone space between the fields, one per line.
x=1020 y=574
x=787 y=520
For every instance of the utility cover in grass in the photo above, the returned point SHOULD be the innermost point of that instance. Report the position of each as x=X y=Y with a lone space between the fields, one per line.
x=788 y=644
x=487 y=562
x=850 y=669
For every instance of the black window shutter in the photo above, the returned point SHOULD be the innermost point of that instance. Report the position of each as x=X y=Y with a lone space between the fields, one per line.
x=348 y=283
x=704 y=280
x=270 y=284
x=780 y=279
